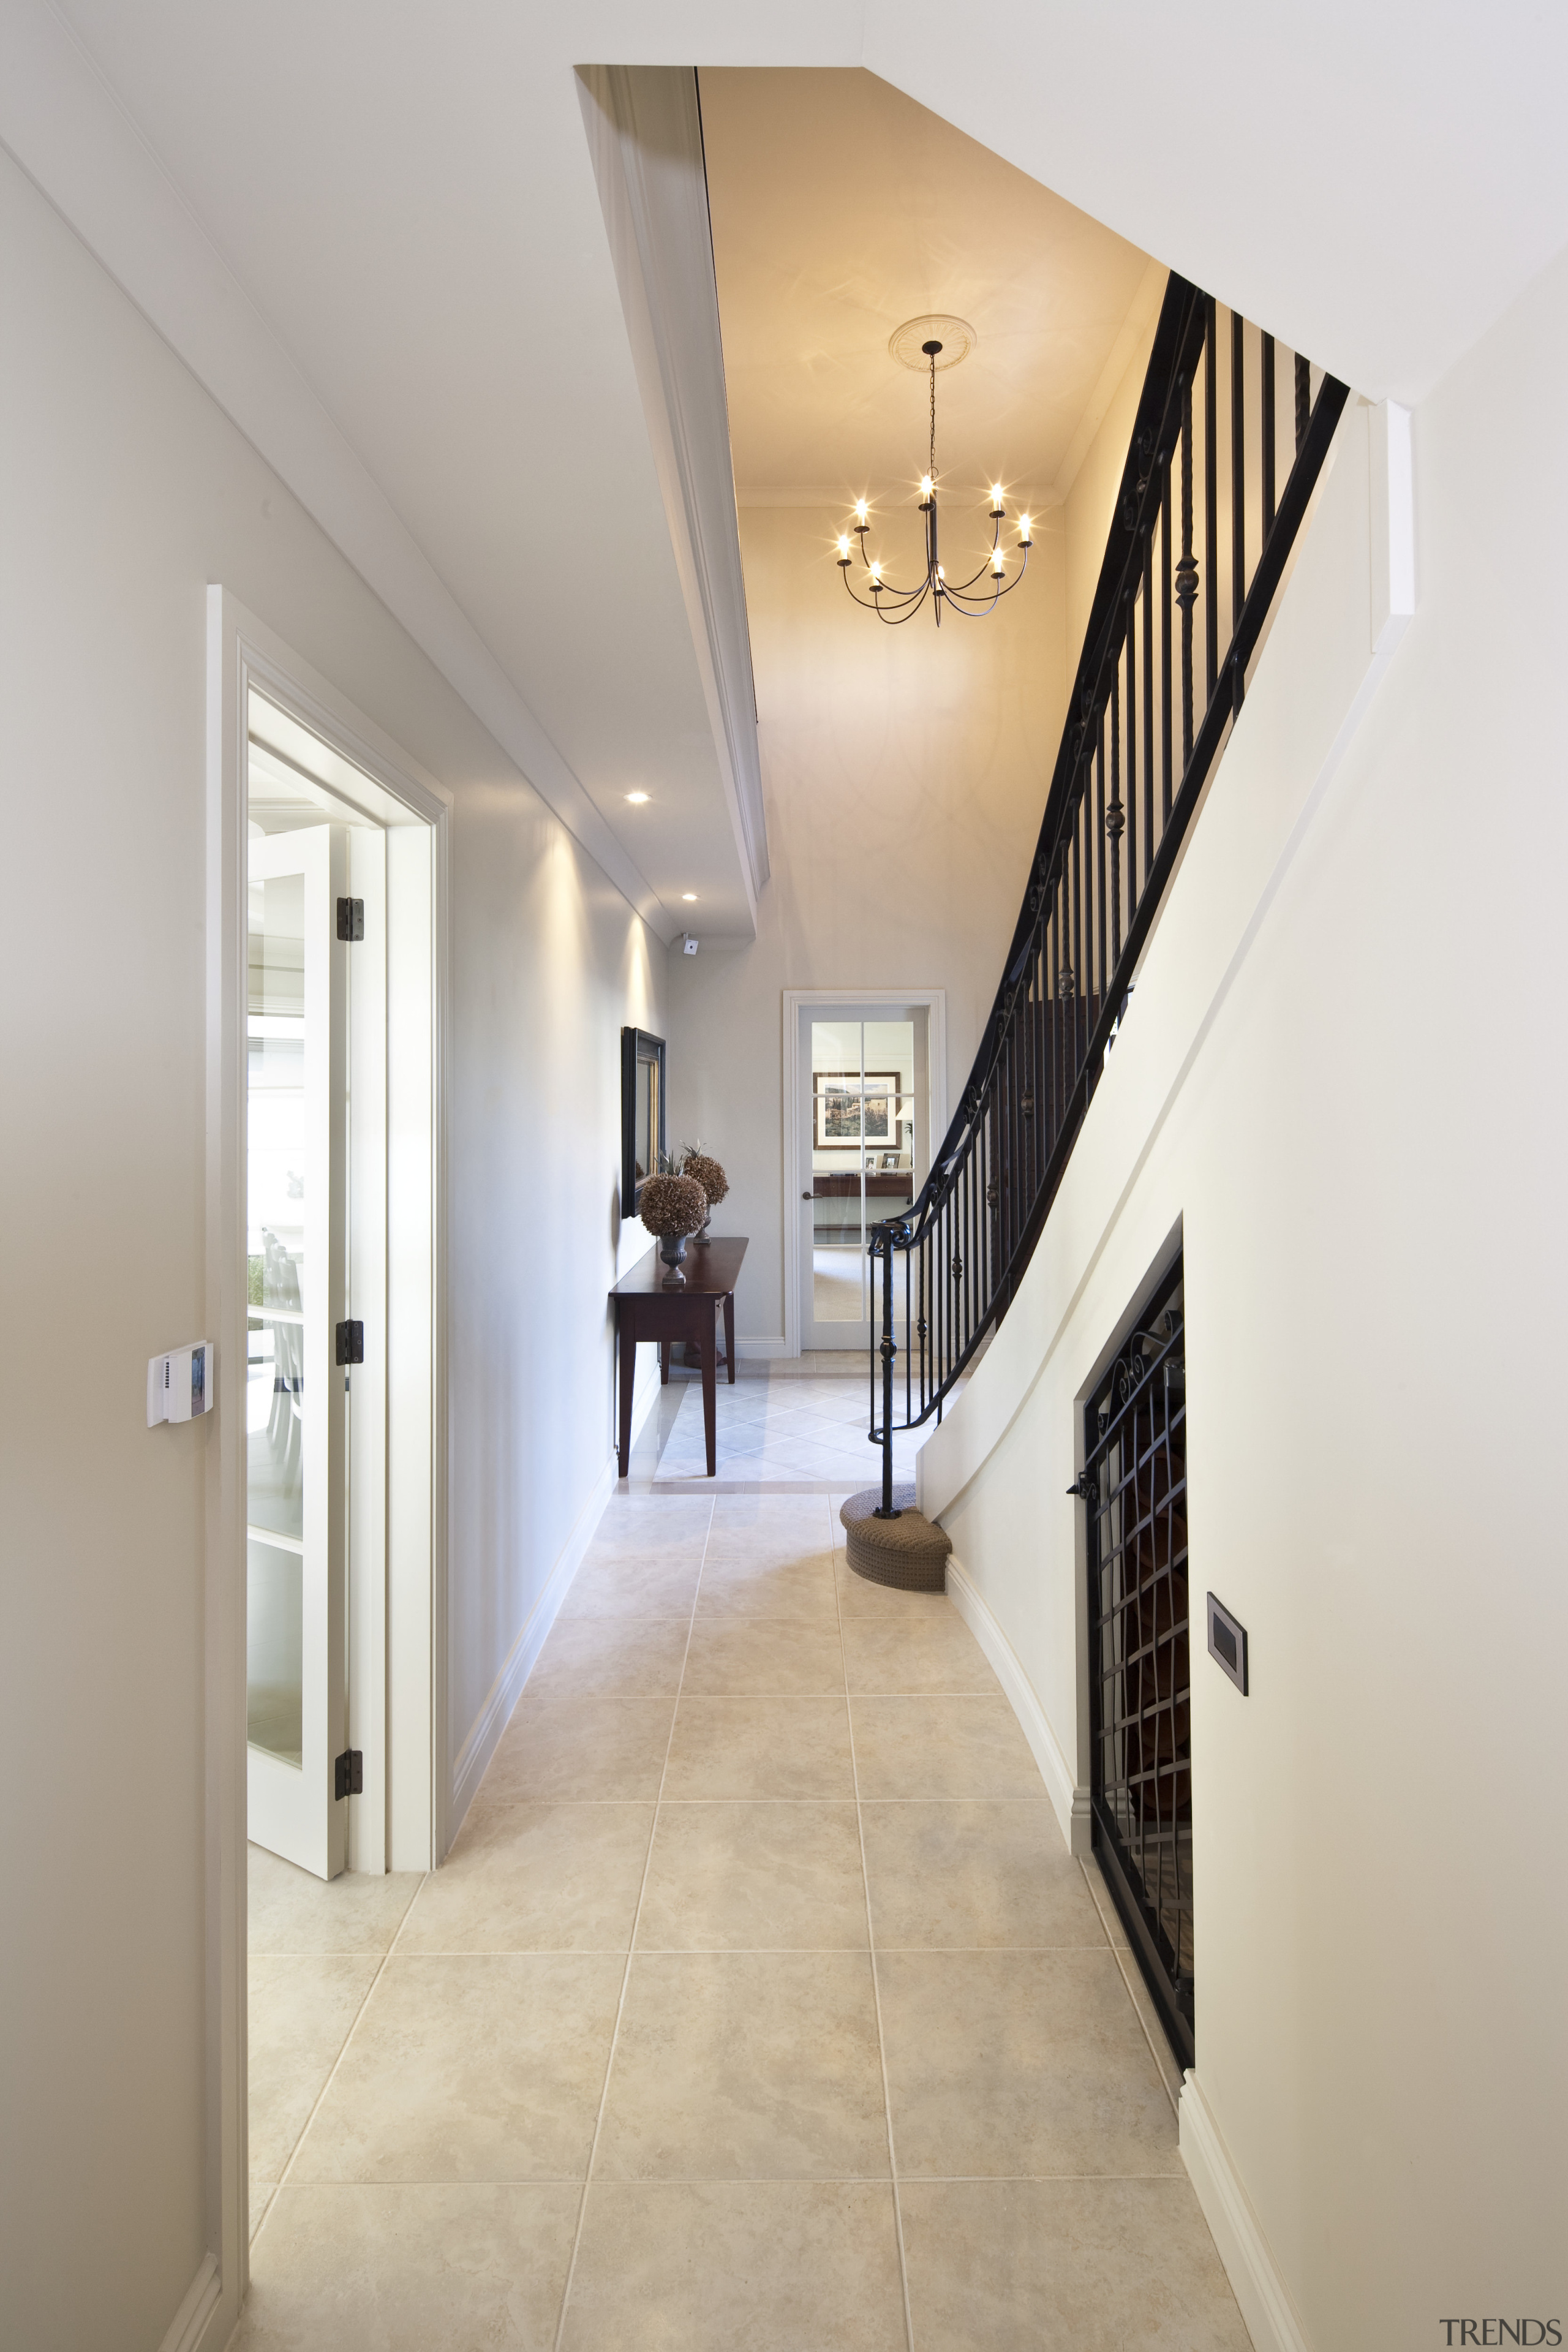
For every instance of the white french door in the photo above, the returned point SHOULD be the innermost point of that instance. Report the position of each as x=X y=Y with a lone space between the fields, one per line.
x=864 y=1145
x=296 y=1465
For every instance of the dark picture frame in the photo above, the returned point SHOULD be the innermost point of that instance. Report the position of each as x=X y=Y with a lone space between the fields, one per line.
x=643 y=1141
x=835 y=1095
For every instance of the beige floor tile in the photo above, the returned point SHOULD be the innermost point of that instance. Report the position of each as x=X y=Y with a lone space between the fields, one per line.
x=942 y=1747
x=534 y=1878
x=624 y=1586
x=859 y=1597
x=651 y=1527
x=293 y=1911
x=1098 y=2266
x=738 y=1748
x=476 y=2268
x=755 y=1878
x=716 y=2266
x=635 y=1657
x=800 y=1585
x=972 y=1875
x=1019 y=2063
x=564 y=1746
x=745 y=2065
x=933 y=1653
x=730 y=1656
x=480 y=2068
x=301 y=2008
x=261 y=2195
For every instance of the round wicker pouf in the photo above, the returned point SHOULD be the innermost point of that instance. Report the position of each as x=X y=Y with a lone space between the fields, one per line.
x=907 y=1552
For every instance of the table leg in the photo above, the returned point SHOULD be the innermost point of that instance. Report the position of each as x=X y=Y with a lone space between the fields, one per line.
x=664 y=1363
x=710 y=1344
x=729 y=1332
x=629 y=1383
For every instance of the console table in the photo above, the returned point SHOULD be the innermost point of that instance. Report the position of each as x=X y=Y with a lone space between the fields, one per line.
x=645 y=1309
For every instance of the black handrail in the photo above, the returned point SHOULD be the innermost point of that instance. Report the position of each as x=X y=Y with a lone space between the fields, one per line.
x=1087 y=915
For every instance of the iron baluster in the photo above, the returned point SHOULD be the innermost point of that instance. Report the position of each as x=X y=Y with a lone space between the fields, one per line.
x=1303 y=401
x=1096 y=845
x=1114 y=821
x=1166 y=646
x=1187 y=588
x=1148 y=702
x=1131 y=801
x=1238 y=491
x=1211 y=496
x=1266 y=446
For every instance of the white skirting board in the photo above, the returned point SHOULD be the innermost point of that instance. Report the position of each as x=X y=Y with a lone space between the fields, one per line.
x=1272 y=2320
x=189 y=2323
x=507 y=1687
x=1070 y=1803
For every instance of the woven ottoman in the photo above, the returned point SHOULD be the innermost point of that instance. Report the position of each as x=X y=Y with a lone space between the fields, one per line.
x=907 y=1552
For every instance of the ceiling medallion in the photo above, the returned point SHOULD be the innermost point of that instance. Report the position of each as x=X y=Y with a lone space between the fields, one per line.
x=930 y=343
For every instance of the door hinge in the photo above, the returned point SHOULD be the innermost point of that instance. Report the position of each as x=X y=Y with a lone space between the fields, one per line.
x=348 y=1773
x=351 y=919
x=350 y=1343
x=1086 y=1486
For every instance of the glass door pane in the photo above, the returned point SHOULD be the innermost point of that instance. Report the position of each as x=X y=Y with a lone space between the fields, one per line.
x=295 y=1180
x=864 y=1157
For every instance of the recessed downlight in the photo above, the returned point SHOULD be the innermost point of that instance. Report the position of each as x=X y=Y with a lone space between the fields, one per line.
x=689 y=897
x=637 y=799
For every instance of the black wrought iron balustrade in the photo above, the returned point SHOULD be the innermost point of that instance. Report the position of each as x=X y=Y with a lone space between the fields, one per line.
x=1207 y=514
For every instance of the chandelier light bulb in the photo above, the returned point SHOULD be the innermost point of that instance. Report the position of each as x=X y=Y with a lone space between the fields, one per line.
x=925 y=486
x=996 y=494
x=876 y=573
x=843 y=547
x=1024 y=529
x=997 y=560
x=940 y=573
x=859 y=509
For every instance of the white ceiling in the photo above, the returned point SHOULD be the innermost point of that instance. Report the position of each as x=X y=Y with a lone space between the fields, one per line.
x=374 y=231
x=841 y=208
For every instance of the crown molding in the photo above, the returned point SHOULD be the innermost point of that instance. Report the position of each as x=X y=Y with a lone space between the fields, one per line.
x=67 y=131
x=644 y=136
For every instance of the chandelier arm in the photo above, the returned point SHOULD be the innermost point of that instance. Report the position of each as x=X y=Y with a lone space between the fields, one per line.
x=874 y=603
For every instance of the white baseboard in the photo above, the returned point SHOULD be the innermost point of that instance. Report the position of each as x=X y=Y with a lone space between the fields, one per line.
x=186 y=2328
x=748 y=1349
x=473 y=1760
x=1069 y=1801
x=1265 y=2301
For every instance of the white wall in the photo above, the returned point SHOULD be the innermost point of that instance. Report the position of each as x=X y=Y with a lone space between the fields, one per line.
x=126 y=491
x=1343 y=1079
x=904 y=774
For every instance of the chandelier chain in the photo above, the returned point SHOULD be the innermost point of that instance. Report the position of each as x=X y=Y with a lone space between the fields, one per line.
x=932 y=461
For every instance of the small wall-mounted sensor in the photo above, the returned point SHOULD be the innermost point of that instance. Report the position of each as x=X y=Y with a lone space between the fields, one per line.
x=1227 y=1643
x=689 y=946
x=181 y=1384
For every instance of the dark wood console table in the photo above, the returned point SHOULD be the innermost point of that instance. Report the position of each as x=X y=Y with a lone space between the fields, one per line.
x=645 y=1309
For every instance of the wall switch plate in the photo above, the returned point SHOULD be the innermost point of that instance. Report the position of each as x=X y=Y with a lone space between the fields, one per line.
x=181 y=1384
x=1227 y=1643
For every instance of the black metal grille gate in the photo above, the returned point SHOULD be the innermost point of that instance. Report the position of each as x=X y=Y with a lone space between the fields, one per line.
x=1134 y=1484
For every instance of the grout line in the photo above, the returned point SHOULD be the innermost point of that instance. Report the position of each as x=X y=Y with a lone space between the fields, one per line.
x=730 y=2180
x=876 y=2000
x=286 y=2176
x=627 y=1971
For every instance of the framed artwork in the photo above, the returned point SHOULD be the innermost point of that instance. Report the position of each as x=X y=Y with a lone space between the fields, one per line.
x=838 y=1105
x=642 y=1112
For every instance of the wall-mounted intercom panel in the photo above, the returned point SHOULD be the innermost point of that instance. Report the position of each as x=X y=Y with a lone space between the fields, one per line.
x=181 y=1384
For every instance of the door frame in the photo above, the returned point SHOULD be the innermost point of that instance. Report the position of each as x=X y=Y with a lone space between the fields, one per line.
x=242 y=652
x=864 y=1003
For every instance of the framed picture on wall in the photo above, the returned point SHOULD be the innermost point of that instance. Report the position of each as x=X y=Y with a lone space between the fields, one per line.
x=845 y=1117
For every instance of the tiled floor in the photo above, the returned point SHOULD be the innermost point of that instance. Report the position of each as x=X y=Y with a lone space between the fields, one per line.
x=758 y=2008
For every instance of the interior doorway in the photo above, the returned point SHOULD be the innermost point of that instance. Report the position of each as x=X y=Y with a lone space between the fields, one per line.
x=339 y=1002
x=859 y=1148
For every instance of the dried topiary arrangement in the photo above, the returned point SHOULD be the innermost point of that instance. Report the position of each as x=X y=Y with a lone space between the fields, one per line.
x=671 y=1206
x=699 y=1164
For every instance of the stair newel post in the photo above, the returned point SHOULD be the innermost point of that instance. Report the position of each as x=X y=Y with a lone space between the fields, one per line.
x=887 y=1351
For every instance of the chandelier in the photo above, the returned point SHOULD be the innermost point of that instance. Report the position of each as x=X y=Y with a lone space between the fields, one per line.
x=984 y=590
